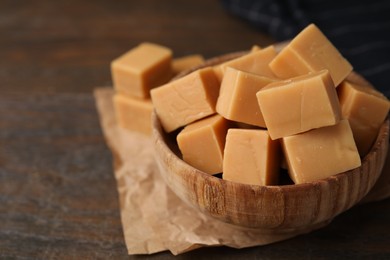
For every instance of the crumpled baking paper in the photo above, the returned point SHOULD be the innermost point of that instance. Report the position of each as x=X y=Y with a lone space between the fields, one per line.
x=154 y=219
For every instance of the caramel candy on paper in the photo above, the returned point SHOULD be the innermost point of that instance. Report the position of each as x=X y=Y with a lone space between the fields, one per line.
x=142 y=68
x=133 y=113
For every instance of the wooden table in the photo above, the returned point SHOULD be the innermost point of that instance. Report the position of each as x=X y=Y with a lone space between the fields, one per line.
x=58 y=196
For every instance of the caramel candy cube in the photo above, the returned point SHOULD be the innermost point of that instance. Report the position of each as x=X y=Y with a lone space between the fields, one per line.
x=133 y=114
x=187 y=99
x=299 y=104
x=186 y=62
x=366 y=109
x=142 y=68
x=202 y=142
x=251 y=157
x=237 y=97
x=321 y=153
x=255 y=48
x=254 y=62
x=310 y=51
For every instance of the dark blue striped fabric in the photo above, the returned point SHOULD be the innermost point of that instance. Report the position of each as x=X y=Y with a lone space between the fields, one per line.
x=360 y=29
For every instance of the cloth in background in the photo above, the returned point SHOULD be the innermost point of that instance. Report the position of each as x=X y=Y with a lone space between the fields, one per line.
x=360 y=29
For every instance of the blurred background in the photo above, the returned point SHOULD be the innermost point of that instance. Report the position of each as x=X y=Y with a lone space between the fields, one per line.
x=67 y=46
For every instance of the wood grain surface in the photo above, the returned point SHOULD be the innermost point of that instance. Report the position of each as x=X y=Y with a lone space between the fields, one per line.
x=57 y=191
x=67 y=46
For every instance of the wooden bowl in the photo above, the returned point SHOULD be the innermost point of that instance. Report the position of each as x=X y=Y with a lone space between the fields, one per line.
x=270 y=208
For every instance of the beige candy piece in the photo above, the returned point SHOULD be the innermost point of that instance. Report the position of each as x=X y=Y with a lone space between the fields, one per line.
x=202 y=142
x=142 y=68
x=186 y=62
x=310 y=51
x=254 y=62
x=133 y=114
x=251 y=157
x=255 y=48
x=187 y=99
x=299 y=104
x=321 y=153
x=237 y=97
x=244 y=125
x=366 y=109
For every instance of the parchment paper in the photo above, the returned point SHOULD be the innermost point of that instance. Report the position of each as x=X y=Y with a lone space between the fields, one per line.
x=154 y=219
